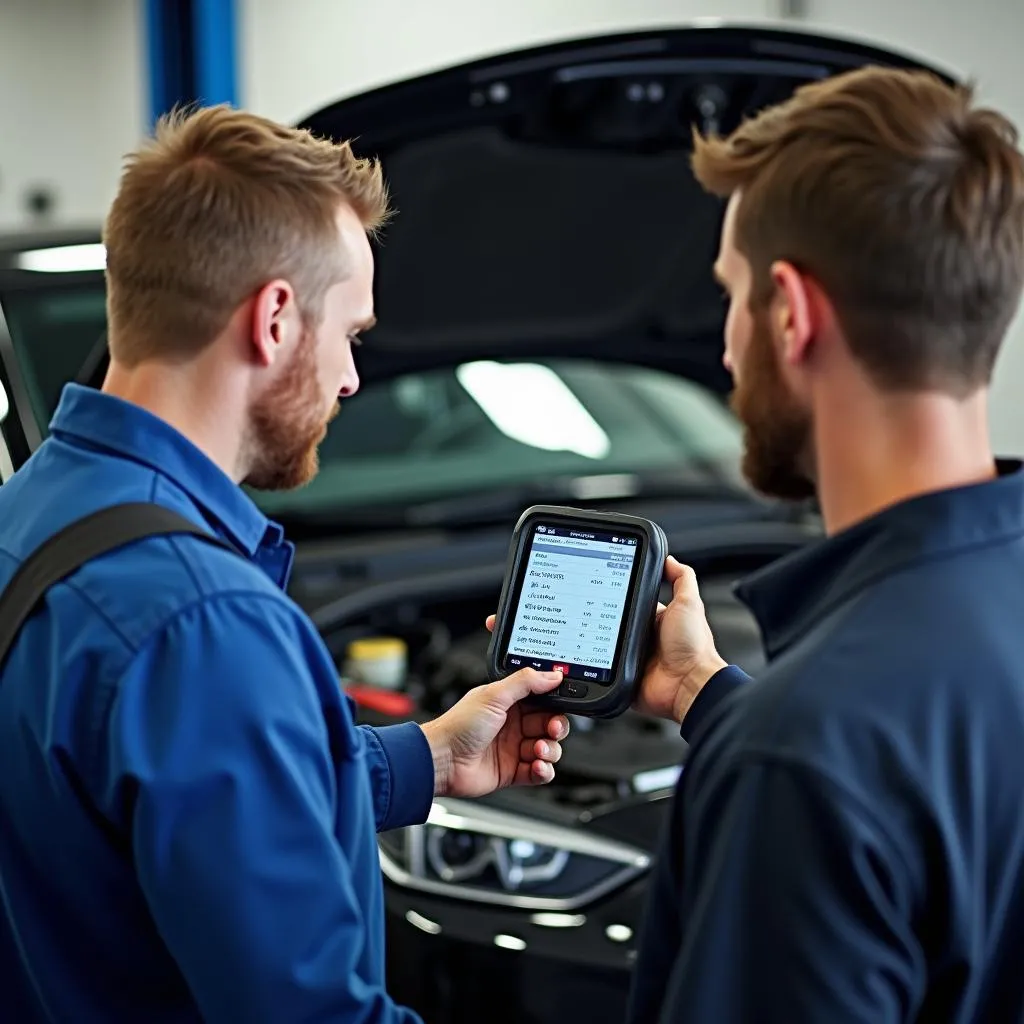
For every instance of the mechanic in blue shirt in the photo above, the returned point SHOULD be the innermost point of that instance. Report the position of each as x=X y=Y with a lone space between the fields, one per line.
x=187 y=812
x=847 y=838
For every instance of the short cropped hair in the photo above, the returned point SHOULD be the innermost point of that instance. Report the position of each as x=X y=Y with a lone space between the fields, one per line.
x=903 y=200
x=218 y=203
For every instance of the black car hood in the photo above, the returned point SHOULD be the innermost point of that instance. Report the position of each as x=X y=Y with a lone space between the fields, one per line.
x=545 y=200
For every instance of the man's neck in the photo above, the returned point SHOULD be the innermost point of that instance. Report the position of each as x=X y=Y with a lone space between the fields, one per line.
x=192 y=401
x=904 y=446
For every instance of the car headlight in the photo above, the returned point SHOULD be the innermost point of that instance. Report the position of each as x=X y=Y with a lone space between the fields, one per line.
x=474 y=852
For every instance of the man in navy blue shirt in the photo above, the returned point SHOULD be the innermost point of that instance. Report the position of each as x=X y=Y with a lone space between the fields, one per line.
x=187 y=811
x=847 y=838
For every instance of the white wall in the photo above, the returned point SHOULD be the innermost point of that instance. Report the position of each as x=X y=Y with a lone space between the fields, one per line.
x=72 y=101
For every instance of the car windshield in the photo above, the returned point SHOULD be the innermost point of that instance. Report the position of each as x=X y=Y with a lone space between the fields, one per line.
x=485 y=424
x=465 y=428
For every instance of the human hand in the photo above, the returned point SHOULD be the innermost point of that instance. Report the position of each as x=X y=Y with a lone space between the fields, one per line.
x=488 y=741
x=684 y=657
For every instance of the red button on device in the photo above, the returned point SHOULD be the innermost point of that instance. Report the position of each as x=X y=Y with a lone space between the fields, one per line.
x=564 y=669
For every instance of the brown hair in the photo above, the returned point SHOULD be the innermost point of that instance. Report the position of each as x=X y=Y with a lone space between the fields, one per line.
x=218 y=203
x=905 y=203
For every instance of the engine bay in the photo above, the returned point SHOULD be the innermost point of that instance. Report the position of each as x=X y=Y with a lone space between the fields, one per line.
x=446 y=641
x=424 y=595
x=445 y=645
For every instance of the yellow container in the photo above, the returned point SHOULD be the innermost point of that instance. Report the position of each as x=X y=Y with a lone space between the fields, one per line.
x=377 y=661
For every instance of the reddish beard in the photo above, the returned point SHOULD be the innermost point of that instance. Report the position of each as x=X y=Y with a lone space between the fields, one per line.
x=288 y=424
x=777 y=460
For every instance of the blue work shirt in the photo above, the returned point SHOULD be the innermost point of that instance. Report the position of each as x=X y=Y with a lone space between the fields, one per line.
x=847 y=838
x=187 y=811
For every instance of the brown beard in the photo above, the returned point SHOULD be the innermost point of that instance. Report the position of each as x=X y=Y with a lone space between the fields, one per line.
x=287 y=425
x=777 y=456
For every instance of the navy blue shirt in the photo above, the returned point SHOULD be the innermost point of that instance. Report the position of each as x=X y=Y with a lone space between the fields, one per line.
x=847 y=839
x=187 y=811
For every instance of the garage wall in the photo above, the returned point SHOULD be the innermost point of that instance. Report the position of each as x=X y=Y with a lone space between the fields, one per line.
x=73 y=100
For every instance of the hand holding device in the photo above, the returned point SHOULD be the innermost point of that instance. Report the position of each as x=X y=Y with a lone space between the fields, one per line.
x=490 y=740
x=680 y=655
x=684 y=656
x=580 y=597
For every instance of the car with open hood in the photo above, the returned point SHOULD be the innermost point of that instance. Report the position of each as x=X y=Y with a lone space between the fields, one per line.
x=549 y=331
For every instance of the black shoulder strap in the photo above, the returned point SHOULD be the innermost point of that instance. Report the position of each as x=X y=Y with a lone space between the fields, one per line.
x=80 y=542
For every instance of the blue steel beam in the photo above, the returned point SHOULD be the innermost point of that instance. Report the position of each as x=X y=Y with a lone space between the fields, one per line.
x=192 y=50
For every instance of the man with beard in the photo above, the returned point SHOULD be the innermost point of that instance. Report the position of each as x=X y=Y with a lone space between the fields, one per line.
x=187 y=810
x=847 y=837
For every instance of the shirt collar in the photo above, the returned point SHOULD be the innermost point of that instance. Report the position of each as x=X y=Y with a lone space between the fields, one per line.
x=112 y=424
x=791 y=595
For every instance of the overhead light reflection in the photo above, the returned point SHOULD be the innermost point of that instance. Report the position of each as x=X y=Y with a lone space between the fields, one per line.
x=558 y=920
x=654 y=779
x=423 y=923
x=530 y=403
x=606 y=485
x=619 y=932
x=64 y=259
x=445 y=819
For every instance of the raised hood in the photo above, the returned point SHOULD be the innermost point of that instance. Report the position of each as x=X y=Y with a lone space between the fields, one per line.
x=545 y=200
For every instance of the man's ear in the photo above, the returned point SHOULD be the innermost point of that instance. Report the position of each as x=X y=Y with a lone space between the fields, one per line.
x=794 y=311
x=272 y=320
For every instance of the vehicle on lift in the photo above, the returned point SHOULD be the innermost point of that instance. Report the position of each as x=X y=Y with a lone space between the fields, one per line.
x=549 y=331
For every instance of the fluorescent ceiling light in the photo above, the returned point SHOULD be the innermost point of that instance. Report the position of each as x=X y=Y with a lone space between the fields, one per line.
x=5 y=406
x=531 y=404
x=64 y=259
